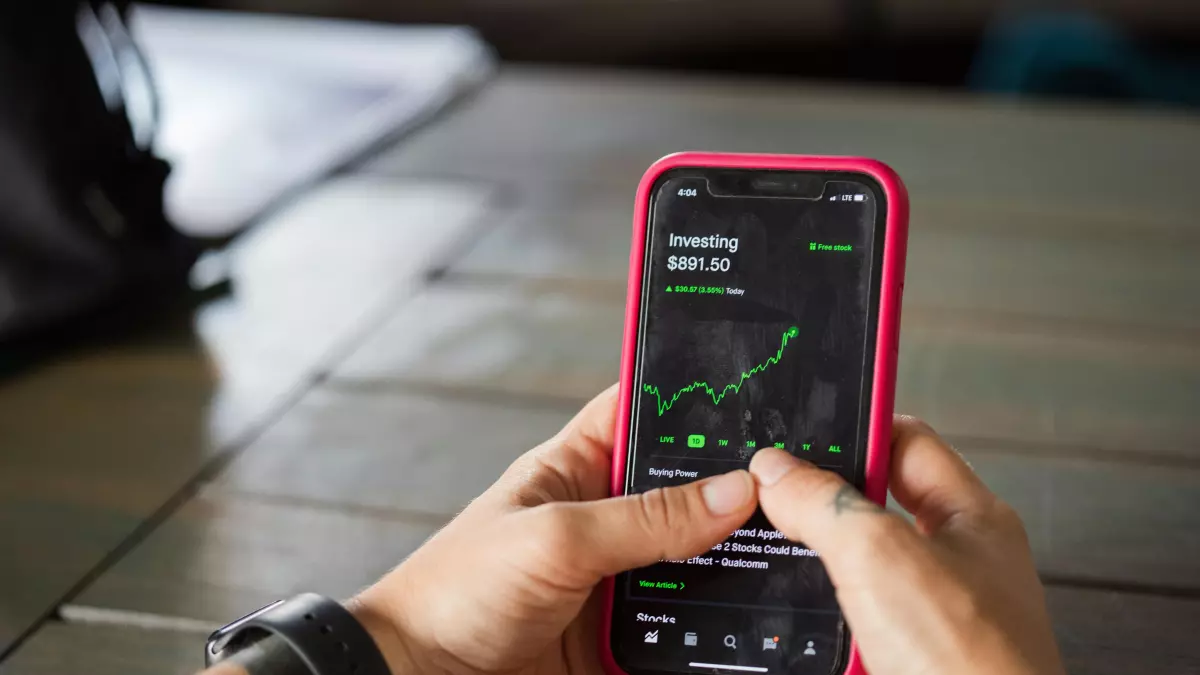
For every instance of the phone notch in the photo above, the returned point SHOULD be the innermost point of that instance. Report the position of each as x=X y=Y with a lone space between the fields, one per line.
x=772 y=184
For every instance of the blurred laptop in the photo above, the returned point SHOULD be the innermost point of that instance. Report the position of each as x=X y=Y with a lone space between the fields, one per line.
x=255 y=106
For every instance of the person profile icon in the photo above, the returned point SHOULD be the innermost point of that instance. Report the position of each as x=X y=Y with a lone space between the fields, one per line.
x=809 y=651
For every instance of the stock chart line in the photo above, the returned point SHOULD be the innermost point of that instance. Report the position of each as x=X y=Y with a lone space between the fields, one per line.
x=664 y=406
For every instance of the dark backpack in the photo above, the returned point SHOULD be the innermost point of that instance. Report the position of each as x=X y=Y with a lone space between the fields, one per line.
x=82 y=229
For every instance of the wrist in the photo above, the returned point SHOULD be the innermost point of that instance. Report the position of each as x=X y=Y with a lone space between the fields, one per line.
x=380 y=622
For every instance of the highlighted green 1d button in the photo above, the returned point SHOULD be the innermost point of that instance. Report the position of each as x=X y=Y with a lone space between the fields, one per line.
x=696 y=441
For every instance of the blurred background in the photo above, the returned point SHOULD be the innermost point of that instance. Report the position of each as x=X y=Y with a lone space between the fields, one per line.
x=285 y=283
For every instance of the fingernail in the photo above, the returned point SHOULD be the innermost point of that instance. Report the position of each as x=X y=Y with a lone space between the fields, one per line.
x=769 y=465
x=726 y=494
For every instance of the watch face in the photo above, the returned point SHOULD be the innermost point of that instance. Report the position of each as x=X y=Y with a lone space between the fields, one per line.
x=220 y=639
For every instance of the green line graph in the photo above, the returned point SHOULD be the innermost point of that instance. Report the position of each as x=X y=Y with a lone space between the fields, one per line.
x=664 y=406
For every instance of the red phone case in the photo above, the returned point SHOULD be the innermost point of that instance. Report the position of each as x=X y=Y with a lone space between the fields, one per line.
x=887 y=341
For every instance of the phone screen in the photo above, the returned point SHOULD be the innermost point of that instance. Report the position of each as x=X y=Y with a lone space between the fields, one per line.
x=757 y=329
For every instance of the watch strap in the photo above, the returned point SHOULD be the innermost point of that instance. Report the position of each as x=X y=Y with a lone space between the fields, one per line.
x=323 y=633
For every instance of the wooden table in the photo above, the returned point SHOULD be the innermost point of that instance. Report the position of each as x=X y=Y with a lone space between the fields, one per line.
x=397 y=337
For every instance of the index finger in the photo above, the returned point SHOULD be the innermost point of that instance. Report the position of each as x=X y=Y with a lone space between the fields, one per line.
x=574 y=465
x=854 y=536
x=929 y=479
x=595 y=425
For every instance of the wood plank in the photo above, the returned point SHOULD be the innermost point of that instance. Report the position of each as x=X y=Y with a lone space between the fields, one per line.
x=420 y=454
x=1111 y=633
x=98 y=440
x=222 y=556
x=1041 y=393
x=1021 y=210
x=532 y=124
x=1102 y=522
x=59 y=648
x=1058 y=272
x=972 y=377
x=92 y=445
x=1022 y=262
x=559 y=232
x=537 y=342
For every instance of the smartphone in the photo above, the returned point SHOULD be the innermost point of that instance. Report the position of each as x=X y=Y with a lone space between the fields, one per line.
x=763 y=311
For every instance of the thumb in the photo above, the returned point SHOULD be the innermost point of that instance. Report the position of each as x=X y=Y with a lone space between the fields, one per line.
x=672 y=523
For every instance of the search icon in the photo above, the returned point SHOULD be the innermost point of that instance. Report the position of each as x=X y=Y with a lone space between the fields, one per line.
x=731 y=642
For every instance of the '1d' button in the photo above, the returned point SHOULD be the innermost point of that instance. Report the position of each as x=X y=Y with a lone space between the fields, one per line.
x=696 y=441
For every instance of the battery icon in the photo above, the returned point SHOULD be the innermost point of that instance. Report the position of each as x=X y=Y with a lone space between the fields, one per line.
x=859 y=198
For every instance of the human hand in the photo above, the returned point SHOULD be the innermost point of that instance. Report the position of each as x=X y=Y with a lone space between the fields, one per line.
x=510 y=584
x=955 y=594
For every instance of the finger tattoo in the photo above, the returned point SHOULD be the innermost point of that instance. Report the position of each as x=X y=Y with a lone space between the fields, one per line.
x=849 y=500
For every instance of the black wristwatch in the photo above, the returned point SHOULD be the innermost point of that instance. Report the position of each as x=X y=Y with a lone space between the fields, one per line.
x=320 y=631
